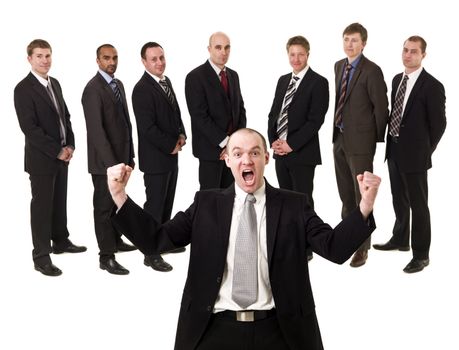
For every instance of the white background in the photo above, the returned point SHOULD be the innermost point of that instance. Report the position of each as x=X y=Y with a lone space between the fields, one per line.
x=373 y=307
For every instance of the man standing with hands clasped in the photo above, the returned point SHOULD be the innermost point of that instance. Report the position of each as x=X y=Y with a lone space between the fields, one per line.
x=417 y=123
x=248 y=284
x=161 y=137
x=297 y=113
x=49 y=146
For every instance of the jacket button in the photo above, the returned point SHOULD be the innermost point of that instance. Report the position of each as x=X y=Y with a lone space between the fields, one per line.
x=219 y=279
x=209 y=308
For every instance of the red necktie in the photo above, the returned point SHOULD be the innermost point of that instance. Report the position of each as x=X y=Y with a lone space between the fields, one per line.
x=224 y=81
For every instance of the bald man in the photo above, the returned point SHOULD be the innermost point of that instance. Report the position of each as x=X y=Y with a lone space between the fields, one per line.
x=216 y=108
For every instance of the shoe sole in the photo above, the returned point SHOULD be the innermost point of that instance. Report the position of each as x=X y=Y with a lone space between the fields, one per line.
x=47 y=274
x=113 y=272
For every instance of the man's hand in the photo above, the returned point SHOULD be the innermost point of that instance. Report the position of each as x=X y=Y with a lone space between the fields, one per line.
x=180 y=143
x=65 y=154
x=117 y=179
x=281 y=147
x=368 y=185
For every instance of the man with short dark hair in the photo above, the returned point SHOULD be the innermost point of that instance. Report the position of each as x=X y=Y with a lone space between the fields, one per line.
x=417 y=123
x=109 y=138
x=161 y=137
x=49 y=144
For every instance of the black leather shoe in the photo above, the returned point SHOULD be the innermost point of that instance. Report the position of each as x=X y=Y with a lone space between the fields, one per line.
x=157 y=263
x=49 y=269
x=112 y=266
x=176 y=250
x=416 y=265
x=360 y=258
x=124 y=247
x=70 y=248
x=391 y=246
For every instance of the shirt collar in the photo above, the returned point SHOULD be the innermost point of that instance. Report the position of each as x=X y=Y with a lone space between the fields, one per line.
x=216 y=69
x=355 y=63
x=302 y=73
x=259 y=194
x=108 y=78
x=157 y=79
x=42 y=80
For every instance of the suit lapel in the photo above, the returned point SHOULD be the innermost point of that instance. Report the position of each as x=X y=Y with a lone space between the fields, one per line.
x=214 y=80
x=60 y=101
x=417 y=86
x=273 y=209
x=355 y=77
x=303 y=85
x=225 y=213
x=41 y=91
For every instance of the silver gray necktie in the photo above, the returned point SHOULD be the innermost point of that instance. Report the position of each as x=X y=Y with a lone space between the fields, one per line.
x=245 y=273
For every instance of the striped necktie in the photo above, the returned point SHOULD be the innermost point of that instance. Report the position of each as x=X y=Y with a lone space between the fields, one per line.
x=397 y=111
x=282 y=122
x=167 y=90
x=342 y=97
x=116 y=90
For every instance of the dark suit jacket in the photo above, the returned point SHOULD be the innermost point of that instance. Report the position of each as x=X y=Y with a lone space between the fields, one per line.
x=39 y=120
x=306 y=115
x=365 y=112
x=159 y=125
x=109 y=131
x=422 y=126
x=291 y=226
x=211 y=111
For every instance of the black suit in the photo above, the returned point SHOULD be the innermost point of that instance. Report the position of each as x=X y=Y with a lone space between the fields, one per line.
x=410 y=156
x=159 y=126
x=291 y=227
x=306 y=113
x=109 y=137
x=39 y=120
x=214 y=116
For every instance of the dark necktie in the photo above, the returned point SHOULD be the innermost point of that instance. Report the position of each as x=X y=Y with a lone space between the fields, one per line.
x=342 y=96
x=245 y=269
x=167 y=90
x=116 y=90
x=53 y=98
x=397 y=111
x=224 y=81
x=282 y=122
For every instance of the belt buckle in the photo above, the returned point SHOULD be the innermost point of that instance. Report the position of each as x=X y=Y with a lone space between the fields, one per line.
x=245 y=316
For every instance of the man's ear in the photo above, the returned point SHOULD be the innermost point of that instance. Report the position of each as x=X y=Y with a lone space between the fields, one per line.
x=227 y=160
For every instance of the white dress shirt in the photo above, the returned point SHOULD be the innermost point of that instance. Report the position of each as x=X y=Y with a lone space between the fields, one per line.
x=265 y=299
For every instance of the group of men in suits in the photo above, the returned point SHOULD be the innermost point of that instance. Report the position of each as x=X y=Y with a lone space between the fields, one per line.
x=216 y=108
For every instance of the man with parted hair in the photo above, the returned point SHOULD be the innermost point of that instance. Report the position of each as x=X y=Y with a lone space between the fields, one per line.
x=417 y=123
x=109 y=139
x=49 y=145
x=161 y=136
x=216 y=108
x=360 y=119
x=297 y=113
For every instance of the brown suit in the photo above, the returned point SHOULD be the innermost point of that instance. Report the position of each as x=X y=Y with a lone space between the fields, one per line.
x=365 y=116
